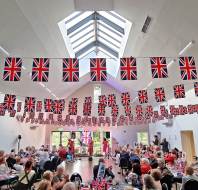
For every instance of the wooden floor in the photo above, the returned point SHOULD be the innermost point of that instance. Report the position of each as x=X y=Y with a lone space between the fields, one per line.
x=85 y=168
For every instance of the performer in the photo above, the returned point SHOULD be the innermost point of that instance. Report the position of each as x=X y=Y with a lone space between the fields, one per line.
x=105 y=146
x=90 y=147
x=71 y=148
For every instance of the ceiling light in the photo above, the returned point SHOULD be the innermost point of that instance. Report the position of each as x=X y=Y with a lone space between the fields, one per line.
x=48 y=90
x=42 y=84
x=171 y=62
x=4 y=51
x=186 y=47
x=24 y=68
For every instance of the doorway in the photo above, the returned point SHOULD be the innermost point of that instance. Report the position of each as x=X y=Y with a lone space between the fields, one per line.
x=188 y=146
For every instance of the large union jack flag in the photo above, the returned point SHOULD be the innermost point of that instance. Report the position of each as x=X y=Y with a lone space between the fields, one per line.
x=58 y=106
x=29 y=104
x=40 y=69
x=159 y=67
x=48 y=105
x=101 y=110
x=70 y=70
x=103 y=100
x=128 y=68
x=126 y=98
x=98 y=69
x=114 y=111
x=39 y=105
x=143 y=97
x=9 y=102
x=127 y=110
x=12 y=69
x=187 y=68
x=196 y=88
x=88 y=100
x=111 y=100
x=149 y=111
x=160 y=95
x=179 y=91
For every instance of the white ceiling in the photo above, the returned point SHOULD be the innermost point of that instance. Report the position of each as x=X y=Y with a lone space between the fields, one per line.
x=30 y=29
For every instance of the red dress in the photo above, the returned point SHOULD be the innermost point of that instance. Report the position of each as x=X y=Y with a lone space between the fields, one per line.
x=105 y=146
x=90 y=148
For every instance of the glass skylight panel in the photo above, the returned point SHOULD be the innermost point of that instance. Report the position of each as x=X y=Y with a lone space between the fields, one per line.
x=81 y=34
x=105 y=42
x=84 y=44
x=112 y=18
x=83 y=39
x=78 y=19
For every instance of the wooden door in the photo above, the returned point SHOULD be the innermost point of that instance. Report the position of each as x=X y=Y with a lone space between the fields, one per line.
x=188 y=145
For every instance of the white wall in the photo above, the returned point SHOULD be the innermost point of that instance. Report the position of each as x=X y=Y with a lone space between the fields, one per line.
x=10 y=128
x=180 y=123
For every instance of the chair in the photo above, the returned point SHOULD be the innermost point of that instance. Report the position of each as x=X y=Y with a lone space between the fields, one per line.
x=191 y=185
x=48 y=166
x=124 y=164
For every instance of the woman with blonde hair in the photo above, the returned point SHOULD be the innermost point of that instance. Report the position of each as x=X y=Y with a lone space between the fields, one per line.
x=44 y=185
x=149 y=183
x=69 y=186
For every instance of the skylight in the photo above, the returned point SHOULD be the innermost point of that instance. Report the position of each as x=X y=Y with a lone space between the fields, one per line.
x=103 y=31
x=96 y=34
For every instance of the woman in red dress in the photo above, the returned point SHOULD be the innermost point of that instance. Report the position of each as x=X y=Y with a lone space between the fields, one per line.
x=90 y=147
x=105 y=146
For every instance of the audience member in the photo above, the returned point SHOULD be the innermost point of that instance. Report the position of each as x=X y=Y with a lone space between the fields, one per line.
x=69 y=186
x=149 y=183
x=157 y=177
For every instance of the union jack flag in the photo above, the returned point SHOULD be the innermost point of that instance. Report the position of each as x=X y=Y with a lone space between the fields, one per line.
x=160 y=95
x=149 y=110
x=70 y=70
x=114 y=110
x=111 y=100
x=39 y=106
x=126 y=99
x=103 y=100
x=128 y=69
x=19 y=105
x=88 y=100
x=187 y=68
x=72 y=110
x=127 y=109
x=179 y=91
x=101 y=110
x=2 y=110
x=86 y=137
x=29 y=104
x=98 y=69
x=159 y=67
x=9 y=102
x=48 y=105
x=196 y=88
x=139 y=110
x=12 y=69
x=143 y=97
x=40 y=69
x=58 y=106
x=86 y=109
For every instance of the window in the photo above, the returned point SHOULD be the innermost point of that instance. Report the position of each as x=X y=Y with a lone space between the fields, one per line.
x=142 y=137
x=97 y=93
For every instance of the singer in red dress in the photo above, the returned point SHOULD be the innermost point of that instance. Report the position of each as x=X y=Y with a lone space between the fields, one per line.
x=90 y=147
x=105 y=146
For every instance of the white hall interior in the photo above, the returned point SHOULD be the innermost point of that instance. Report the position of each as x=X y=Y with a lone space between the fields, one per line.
x=32 y=29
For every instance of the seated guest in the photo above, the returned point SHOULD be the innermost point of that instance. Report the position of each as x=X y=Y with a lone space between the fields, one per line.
x=167 y=176
x=145 y=166
x=60 y=177
x=3 y=166
x=109 y=173
x=189 y=175
x=96 y=168
x=157 y=177
x=134 y=158
x=48 y=175
x=11 y=159
x=18 y=167
x=26 y=177
x=44 y=157
x=62 y=152
x=149 y=183
x=69 y=186
x=44 y=185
